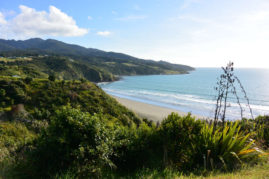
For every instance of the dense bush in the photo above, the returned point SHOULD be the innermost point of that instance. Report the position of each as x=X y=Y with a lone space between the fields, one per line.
x=138 y=148
x=13 y=137
x=228 y=147
x=73 y=141
x=95 y=134
x=259 y=127
x=191 y=144
x=181 y=139
x=79 y=144
x=41 y=98
x=262 y=129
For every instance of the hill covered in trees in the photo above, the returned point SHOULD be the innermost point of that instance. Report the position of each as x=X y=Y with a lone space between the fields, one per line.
x=61 y=67
x=40 y=98
x=108 y=65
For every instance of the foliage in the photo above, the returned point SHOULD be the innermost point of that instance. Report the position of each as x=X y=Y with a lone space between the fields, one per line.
x=56 y=67
x=137 y=148
x=190 y=144
x=73 y=129
x=52 y=77
x=262 y=128
x=78 y=144
x=13 y=137
x=259 y=127
x=73 y=140
x=181 y=138
x=42 y=97
x=228 y=147
x=28 y=80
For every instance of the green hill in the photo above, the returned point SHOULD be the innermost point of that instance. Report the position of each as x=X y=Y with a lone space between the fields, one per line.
x=107 y=64
x=62 y=67
x=40 y=98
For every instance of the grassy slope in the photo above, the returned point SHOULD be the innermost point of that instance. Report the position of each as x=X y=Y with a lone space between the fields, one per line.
x=62 y=67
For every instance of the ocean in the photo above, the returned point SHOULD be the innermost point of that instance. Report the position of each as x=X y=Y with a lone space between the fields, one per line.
x=195 y=92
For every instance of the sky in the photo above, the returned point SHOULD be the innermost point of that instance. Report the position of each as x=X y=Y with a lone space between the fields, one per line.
x=200 y=33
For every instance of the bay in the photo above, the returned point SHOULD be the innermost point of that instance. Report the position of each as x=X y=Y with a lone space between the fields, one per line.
x=195 y=92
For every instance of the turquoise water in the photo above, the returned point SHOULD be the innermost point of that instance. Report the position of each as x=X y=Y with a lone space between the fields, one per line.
x=194 y=92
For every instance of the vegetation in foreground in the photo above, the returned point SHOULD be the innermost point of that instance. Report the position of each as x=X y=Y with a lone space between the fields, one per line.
x=77 y=144
x=72 y=129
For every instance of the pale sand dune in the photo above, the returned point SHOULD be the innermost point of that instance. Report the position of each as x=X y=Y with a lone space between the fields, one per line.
x=151 y=112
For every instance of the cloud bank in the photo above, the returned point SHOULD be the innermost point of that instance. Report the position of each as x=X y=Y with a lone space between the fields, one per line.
x=32 y=23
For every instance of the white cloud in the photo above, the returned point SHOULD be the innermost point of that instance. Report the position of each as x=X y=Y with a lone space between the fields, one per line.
x=32 y=23
x=2 y=19
x=131 y=18
x=90 y=18
x=104 y=33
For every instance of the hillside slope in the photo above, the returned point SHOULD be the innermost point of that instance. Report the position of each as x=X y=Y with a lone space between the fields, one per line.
x=115 y=63
x=62 y=68
x=39 y=99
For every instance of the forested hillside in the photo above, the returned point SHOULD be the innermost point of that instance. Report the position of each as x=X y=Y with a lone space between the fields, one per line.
x=86 y=59
x=40 y=98
x=61 y=67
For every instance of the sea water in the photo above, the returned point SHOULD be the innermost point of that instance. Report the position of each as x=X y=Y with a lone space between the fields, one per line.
x=194 y=92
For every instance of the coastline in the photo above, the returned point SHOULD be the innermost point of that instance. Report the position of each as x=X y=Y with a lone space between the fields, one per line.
x=149 y=111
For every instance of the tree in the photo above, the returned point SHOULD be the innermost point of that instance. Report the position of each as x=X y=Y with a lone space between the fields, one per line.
x=28 y=80
x=52 y=77
x=74 y=140
x=226 y=86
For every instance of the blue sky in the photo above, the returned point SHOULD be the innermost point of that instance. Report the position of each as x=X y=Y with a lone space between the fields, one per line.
x=200 y=33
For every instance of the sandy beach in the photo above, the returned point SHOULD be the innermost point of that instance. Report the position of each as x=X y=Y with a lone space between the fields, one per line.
x=149 y=111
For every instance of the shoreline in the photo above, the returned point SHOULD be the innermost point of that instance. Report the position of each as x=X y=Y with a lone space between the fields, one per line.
x=119 y=78
x=150 y=111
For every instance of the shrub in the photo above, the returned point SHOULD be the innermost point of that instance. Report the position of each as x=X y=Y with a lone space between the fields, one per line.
x=13 y=137
x=190 y=144
x=181 y=138
x=259 y=128
x=28 y=80
x=227 y=147
x=137 y=148
x=52 y=77
x=73 y=141
x=262 y=129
